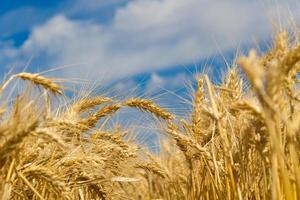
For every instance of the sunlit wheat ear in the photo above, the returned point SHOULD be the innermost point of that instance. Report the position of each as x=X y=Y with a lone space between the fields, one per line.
x=254 y=71
x=279 y=50
x=109 y=110
x=291 y=67
x=290 y=82
x=186 y=143
x=154 y=167
x=89 y=103
x=197 y=109
x=275 y=71
x=234 y=82
x=291 y=58
x=149 y=106
x=41 y=81
x=281 y=44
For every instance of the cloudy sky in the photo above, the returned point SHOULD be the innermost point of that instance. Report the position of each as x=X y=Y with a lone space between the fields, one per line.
x=113 y=39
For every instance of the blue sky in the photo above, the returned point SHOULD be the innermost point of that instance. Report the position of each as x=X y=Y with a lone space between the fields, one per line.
x=109 y=40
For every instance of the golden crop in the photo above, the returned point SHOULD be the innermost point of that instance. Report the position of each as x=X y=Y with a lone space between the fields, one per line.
x=241 y=140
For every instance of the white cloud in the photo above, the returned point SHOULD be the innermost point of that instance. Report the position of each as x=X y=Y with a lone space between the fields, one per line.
x=145 y=35
x=159 y=83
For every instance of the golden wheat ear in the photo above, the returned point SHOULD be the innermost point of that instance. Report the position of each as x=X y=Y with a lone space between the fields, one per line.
x=89 y=103
x=41 y=81
x=149 y=106
x=36 y=79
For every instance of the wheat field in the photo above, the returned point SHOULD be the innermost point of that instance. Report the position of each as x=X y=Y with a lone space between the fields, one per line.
x=241 y=140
